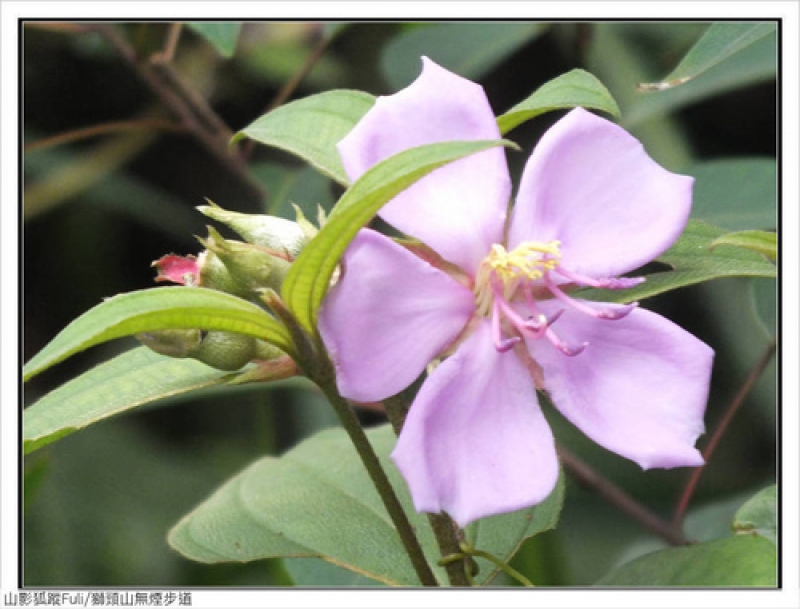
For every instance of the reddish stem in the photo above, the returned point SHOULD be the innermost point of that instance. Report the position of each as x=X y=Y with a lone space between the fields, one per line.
x=722 y=426
x=103 y=129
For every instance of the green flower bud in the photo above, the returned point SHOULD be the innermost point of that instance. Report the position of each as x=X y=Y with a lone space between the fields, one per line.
x=225 y=350
x=240 y=268
x=283 y=237
x=222 y=350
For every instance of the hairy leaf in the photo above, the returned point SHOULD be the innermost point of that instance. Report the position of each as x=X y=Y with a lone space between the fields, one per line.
x=317 y=501
x=311 y=127
x=718 y=43
x=135 y=378
x=759 y=515
x=760 y=241
x=743 y=560
x=158 y=309
x=575 y=88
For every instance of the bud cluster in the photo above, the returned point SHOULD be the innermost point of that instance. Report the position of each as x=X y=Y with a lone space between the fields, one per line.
x=246 y=269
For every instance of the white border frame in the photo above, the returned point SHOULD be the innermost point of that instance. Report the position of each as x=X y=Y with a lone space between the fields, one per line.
x=701 y=10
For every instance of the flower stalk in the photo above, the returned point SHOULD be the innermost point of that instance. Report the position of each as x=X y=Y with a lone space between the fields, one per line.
x=324 y=377
x=312 y=359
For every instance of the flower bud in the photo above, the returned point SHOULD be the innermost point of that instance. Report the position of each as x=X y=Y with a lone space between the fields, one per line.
x=178 y=269
x=240 y=268
x=225 y=350
x=222 y=350
x=283 y=237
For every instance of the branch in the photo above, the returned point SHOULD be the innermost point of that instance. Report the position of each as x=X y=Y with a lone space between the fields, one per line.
x=185 y=103
x=83 y=133
x=620 y=499
x=171 y=43
x=722 y=426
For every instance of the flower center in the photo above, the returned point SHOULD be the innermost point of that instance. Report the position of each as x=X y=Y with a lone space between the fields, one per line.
x=505 y=271
x=504 y=276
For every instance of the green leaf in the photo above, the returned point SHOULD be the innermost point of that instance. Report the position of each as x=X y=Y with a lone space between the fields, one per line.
x=470 y=50
x=309 y=278
x=737 y=194
x=311 y=127
x=754 y=64
x=222 y=35
x=132 y=379
x=503 y=535
x=743 y=560
x=575 y=88
x=759 y=515
x=317 y=572
x=317 y=501
x=289 y=186
x=158 y=309
x=718 y=43
x=764 y=294
x=693 y=261
x=760 y=241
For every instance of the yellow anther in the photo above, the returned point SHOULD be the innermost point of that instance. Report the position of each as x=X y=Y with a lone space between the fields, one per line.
x=528 y=261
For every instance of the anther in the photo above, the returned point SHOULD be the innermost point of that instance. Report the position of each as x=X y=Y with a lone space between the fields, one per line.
x=562 y=346
x=619 y=313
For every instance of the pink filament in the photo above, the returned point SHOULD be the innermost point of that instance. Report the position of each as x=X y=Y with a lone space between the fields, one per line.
x=536 y=327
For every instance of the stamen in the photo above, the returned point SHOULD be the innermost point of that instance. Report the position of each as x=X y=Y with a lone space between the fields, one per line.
x=503 y=275
x=610 y=283
x=500 y=343
x=609 y=314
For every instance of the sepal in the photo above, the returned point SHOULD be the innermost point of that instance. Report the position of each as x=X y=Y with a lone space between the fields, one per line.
x=284 y=237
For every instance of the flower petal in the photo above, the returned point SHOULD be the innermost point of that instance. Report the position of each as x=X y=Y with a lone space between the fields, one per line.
x=592 y=186
x=459 y=210
x=177 y=269
x=475 y=442
x=639 y=388
x=388 y=317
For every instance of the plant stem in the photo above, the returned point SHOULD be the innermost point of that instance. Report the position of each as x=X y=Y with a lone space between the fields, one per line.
x=446 y=533
x=620 y=499
x=722 y=426
x=353 y=428
x=311 y=357
x=171 y=43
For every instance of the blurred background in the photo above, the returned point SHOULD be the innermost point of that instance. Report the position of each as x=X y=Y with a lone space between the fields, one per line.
x=111 y=179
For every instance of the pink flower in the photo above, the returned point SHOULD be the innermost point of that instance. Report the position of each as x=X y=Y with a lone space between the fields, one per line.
x=591 y=206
